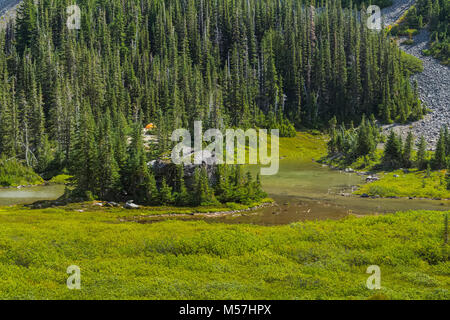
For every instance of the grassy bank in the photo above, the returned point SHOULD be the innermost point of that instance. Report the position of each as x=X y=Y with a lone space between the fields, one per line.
x=60 y=179
x=398 y=183
x=305 y=146
x=413 y=184
x=102 y=208
x=13 y=174
x=197 y=260
x=360 y=164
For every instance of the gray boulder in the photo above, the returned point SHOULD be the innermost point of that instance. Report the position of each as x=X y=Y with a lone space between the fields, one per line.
x=131 y=205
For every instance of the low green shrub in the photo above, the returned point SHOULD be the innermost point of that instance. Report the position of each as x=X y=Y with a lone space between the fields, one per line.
x=14 y=173
x=200 y=260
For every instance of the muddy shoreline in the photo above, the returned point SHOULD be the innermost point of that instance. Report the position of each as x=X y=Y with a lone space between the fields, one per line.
x=155 y=217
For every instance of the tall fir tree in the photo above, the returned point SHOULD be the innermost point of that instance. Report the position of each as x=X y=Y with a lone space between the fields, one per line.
x=439 y=160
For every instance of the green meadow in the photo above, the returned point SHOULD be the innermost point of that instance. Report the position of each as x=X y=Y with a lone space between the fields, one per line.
x=200 y=260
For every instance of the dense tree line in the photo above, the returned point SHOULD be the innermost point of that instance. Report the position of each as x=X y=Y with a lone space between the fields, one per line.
x=352 y=143
x=399 y=153
x=73 y=98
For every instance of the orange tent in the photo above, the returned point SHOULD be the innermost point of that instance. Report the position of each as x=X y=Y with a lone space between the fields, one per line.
x=150 y=126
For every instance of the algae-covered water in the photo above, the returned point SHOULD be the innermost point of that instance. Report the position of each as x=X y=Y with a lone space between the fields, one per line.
x=27 y=195
x=305 y=190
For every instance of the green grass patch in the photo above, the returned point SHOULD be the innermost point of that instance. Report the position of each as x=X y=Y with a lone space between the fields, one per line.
x=408 y=42
x=199 y=260
x=413 y=184
x=94 y=207
x=440 y=50
x=361 y=163
x=305 y=146
x=165 y=210
x=411 y=63
x=60 y=179
x=13 y=174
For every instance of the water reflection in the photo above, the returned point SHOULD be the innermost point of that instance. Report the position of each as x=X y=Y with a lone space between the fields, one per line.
x=309 y=191
x=29 y=195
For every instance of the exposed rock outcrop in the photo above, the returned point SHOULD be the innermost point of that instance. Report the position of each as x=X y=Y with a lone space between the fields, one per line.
x=167 y=169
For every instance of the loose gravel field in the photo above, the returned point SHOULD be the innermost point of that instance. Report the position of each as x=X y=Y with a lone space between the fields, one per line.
x=433 y=82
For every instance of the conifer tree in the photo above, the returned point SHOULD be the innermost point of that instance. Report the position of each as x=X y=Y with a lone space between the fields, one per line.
x=366 y=143
x=203 y=192
x=259 y=193
x=107 y=168
x=439 y=160
x=238 y=184
x=249 y=188
x=447 y=141
x=182 y=197
x=26 y=25
x=198 y=195
x=152 y=195
x=165 y=193
x=84 y=156
x=407 y=150
x=421 y=158
x=137 y=177
x=223 y=188
x=393 y=151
